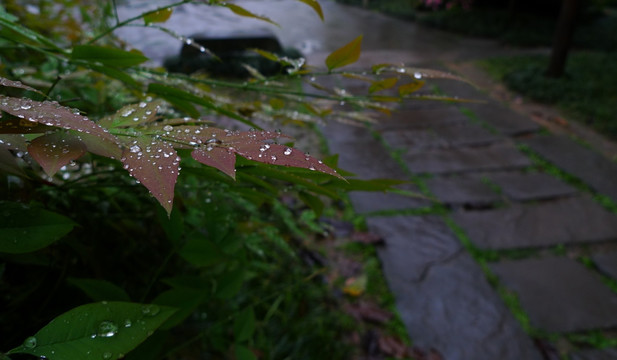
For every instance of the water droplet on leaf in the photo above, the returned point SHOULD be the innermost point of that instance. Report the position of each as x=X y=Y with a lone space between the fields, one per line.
x=30 y=342
x=107 y=329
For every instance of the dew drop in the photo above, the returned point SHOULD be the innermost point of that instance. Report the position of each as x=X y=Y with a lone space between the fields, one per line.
x=107 y=329
x=135 y=149
x=168 y=128
x=107 y=355
x=30 y=342
x=150 y=310
x=417 y=75
x=287 y=151
x=143 y=104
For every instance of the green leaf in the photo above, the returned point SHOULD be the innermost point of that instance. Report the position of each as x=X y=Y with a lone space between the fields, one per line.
x=133 y=114
x=107 y=56
x=100 y=290
x=113 y=73
x=316 y=6
x=98 y=331
x=25 y=229
x=230 y=284
x=200 y=251
x=186 y=300
x=345 y=55
x=412 y=87
x=244 y=324
x=159 y=16
x=238 y=10
x=243 y=353
x=313 y=202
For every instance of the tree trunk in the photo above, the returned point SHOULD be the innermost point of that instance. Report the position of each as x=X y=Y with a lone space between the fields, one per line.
x=563 y=37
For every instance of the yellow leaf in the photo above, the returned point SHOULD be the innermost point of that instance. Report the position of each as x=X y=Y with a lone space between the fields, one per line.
x=407 y=89
x=382 y=85
x=315 y=5
x=239 y=10
x=355 y=286
x=345 y=55
x=158 y=16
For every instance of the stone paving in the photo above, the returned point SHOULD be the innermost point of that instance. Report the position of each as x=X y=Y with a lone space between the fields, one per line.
x=494 y=198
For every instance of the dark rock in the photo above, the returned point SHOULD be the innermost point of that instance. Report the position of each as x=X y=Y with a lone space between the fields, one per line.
x=460 y=160
x=463 y=190
x=441 y=136
x=562 y=221
x=503 y=119
x=592 y=168
x=607 y=263
x=531 y=186
x=365 y=202
x=442 y=295
x=422 y=119
x=559 y=294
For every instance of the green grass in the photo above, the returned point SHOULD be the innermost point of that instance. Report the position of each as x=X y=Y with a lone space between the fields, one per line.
x=587 y=92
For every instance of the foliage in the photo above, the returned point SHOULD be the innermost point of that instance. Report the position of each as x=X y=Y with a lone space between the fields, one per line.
x=587 y=91
x=91 y=140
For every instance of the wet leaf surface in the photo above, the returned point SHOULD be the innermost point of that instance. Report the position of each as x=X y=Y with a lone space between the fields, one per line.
x=346 y=55
x=53 y=151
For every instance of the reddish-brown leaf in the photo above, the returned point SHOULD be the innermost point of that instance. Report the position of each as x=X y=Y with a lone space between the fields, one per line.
x=156 y=165
x=51 y=113
x=55 y=150
x=392 y=346
x=367 y=311
x=100 y=146
x=16 y=84
x=366 y=238
x=217 y=157
x=14 y=142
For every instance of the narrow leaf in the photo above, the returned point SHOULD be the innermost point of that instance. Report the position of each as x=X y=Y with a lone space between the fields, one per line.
x=100 y=290
x=156 y=165
x=316 y=6
x=407 y=89
x=158 y=16
x=55 y=150
x=383 y=84
x=107 y=56
x=113 y=73
x=244 y=324
x=345 y=55
x=104 y=330
x=238 y=10
x=25 y=229
x=17 y=84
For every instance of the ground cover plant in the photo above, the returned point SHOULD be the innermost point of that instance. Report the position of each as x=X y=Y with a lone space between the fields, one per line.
x=133 y=226
x=586 y=91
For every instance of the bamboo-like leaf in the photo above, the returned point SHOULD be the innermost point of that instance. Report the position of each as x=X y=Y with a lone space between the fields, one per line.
x=55 y=150
x=104 y=330
x=107 y=56
x=158 y=16
x=383 y=84
x=348 y=54
x=17 y=84
x=100 y=290
x=238 y=10
x=316 y=6
x=156 y=165
x=26 y=229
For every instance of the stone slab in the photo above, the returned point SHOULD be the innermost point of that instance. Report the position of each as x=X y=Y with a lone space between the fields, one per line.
x=594 y=169
x=563 y=221
x=360 y=153
x=559 y=294
x=460 y=160
x=462 y=190
x=531 y=186
x=441 y=136
x=607 y=263
x=366 y=202
x=594 y=354
x=403 y=119
x=442 y=295
x=506 y=121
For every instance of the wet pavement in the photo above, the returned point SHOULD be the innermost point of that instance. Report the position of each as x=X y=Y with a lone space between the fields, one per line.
x=493 y=217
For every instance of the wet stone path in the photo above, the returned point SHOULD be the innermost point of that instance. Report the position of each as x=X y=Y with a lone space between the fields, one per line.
x=487 y=194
